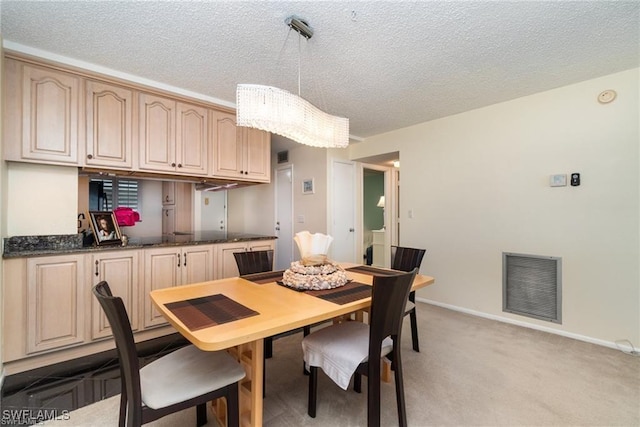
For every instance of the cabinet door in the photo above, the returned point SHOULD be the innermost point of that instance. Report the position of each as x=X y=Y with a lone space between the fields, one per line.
x=168 y=193
x=192 y=140
x=260 y=245
x=197 y=264
x=120 y=270
x=227 y=266
x=183 y=220
x=109 y=125
x=257 y=154
x=47 y=101
x=161 y=270
x=168 y=219
x=227 y=142
x=157 y=133
x=55 y=302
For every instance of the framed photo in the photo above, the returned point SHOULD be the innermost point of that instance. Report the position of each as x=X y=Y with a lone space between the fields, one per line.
x=307 y=186
x=105 y=227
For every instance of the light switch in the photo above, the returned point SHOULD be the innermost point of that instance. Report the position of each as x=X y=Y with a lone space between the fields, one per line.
x=301 y=219
x=410 y=213
x=206 y=201
x=558 y=180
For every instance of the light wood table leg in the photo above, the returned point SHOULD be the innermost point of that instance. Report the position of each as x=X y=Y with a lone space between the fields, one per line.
x=251 y=357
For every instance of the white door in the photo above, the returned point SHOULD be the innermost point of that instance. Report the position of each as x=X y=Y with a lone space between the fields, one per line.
x=343 y=218
x=284 y=218
x=213 y=210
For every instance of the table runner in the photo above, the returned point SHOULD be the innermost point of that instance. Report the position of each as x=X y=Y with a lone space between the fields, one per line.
x=203 y=312
x=367 y=269
x=266 y=277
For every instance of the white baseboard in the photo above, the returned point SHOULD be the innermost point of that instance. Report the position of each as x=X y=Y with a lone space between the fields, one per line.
x=622 y=347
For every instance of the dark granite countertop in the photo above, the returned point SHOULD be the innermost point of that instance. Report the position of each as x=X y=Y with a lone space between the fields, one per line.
x=26 y=246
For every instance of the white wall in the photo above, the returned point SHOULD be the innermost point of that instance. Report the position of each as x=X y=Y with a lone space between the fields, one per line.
x=477 y=184
x=252 y=209
x=41 y=199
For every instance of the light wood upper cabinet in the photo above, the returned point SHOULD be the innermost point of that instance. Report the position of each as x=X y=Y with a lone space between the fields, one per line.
x=109 y=125
x=173 y=136
x=257 y=157
x=121 y=270
x=55 y=116
x=157 y=142
x=41 y=114
x=240 y=153
x=55 y=302
x=192 y=139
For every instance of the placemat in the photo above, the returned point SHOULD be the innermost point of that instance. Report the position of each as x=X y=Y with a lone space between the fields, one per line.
x=203 y=312
x=266 y=277
x=367 y=269
x=350 y=292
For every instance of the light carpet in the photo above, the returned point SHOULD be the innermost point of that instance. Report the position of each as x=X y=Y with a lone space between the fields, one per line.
x=471 y=371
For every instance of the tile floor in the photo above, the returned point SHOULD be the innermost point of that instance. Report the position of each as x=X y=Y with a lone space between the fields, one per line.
x=73 y=384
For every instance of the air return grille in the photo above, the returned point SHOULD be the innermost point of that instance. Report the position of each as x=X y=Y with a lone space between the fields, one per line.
x=532 y=286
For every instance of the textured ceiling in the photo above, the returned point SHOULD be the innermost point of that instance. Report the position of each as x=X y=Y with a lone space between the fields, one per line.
x=384 y=65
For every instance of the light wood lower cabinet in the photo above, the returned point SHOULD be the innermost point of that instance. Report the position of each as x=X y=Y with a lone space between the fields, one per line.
x=227 y=266
x=174 y=266
x=121 y=270
x=49 y=313
x=55 y=302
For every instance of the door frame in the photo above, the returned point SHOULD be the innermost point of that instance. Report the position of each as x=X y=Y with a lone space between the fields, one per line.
x=390 y=209
x=277 y=213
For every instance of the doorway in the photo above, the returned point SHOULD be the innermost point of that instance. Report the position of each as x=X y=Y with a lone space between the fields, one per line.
x=373 y=221
x=379 y=177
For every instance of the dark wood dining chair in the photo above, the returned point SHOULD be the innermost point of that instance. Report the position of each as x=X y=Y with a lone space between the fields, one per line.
x=251 y=262
x=339 y=349
x=182 y=379
x=406 y=259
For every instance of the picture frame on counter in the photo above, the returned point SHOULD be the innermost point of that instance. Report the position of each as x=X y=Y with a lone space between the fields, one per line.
x=105 y=228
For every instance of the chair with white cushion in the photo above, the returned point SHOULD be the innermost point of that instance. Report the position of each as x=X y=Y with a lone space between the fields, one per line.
x=406 y=259
x=352 y=347
x=182 y=379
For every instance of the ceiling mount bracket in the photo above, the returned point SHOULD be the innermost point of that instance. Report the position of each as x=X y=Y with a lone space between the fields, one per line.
x=300 y=25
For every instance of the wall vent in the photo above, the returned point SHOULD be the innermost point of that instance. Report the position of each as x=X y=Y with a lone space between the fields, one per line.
x=531 y=286
x=283 y=156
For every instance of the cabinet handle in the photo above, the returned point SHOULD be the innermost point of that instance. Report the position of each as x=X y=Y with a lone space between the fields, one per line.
x=246 y=172
x=97 y=263
x=166 y=212
x=179 y=165
x=241 y=172
x=184 y=264
x=178 y=260
x=166 y=198
x=89 y=156
x=173 y=165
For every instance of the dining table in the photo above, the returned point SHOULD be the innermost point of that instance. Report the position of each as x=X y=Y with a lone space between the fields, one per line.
x=236 y=314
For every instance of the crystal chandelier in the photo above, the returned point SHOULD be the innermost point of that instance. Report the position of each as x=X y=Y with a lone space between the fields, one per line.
x=278 y=111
